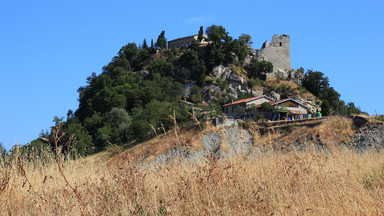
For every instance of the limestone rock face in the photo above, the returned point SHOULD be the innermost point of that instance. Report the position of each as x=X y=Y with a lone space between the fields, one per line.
x=231 y=141
x=369 y=136
x=313 y=105
x=274 y=95
x=187 y=88
x=221 y=72
x=210 y=92
x=296 y=77
x=237 y=84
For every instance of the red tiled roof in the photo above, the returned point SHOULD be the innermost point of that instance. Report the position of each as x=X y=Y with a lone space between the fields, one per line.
x=296 y=112
x=243 y=100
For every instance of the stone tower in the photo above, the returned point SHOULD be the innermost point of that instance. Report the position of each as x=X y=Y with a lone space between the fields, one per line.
x=277 y=52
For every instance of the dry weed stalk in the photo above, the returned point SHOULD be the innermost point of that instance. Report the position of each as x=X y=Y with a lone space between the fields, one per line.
x=153 y=128
x=4 y=180
x=193 y=116
x=57 y=138
x=34 y=193
x=173 y=119
x=163 y=128
x=116 y=148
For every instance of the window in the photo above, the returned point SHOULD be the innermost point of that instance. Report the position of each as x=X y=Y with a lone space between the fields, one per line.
x=281 y=43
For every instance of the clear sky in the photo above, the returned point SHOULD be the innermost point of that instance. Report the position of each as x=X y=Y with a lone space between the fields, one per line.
x=48 y=48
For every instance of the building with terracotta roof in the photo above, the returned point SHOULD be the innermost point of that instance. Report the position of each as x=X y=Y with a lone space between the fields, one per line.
x=184 y=42
x=285 y=109
x=235 y=109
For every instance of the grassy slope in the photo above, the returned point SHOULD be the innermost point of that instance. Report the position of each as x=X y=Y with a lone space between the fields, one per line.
x=312 y=183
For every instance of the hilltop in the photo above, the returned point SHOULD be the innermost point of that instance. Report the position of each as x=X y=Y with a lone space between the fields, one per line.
x=132 y=100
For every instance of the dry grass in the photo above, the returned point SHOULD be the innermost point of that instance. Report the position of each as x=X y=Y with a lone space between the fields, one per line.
x=292 y=88
x=333 y=131
x=296 y=183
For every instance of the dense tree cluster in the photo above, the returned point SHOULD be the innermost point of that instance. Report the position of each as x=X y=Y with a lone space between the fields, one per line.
x=318 y=84
x=138 y=90
x=133 y=97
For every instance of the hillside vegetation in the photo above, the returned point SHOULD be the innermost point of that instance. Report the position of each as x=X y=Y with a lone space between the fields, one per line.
x=339 y=182
x=132 y=100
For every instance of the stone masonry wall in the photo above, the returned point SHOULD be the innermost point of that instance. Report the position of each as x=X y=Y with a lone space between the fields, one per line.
x=277 y=52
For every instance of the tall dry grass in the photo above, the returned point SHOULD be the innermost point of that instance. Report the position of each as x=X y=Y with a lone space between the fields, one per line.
x=295 y=183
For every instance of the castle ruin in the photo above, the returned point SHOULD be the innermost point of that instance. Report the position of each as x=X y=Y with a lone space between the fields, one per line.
x=277 y=52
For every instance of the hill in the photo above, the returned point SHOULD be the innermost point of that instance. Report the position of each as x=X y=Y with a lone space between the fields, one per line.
x=276 y=181
x=132 y=100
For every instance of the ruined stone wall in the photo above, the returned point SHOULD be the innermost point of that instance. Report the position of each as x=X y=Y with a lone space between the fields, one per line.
x=277 y=52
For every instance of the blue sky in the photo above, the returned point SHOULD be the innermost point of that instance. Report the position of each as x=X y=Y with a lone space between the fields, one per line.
x=48 y=48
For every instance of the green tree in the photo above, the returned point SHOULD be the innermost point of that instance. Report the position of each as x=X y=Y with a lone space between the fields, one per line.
x=265 y=107
x=259 y=69
x=161 y=67
x=155 y=113
x=352 y=109
x=195 y=95
x=119 y=120
x=316 y=82
x=241 y=50
x=200 y=36
x=220 y=48
x=246 y=38
x=325 y=108
x=145 y=45
x=161 y=42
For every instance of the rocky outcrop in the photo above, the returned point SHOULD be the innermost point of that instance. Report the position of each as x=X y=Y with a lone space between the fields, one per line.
x=210 y=92
x=221 y=72
x=368 y=136
x=295 y=77
x=274 y=95
x=314 y=106
x=187 y=88
x=227 y=141
x=234 y=140
x=236 y=84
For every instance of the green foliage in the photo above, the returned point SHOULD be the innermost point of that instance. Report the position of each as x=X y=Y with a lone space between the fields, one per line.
x=3 y=152
x=259 y=69
x=118 y=122
x=246 y=38
x=380 y=118
x=240 y=48
x=220 y=48
x=325 y=108
x=195 y=95
x=162 y=68
x=351 y=109
x=140 y=87
x=240 y=109
x=155 y=113
x=300 y=70
x=145 y=45
x=316 y=83
x=161 y=42
x=200 y=36
x=196 y=67
x=265 y=107
x=260 y=116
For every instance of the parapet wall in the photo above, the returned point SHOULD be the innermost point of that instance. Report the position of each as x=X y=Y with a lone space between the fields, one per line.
x=277 y=52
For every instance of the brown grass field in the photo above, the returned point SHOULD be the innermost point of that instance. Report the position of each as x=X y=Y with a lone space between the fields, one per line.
x=337 y=182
